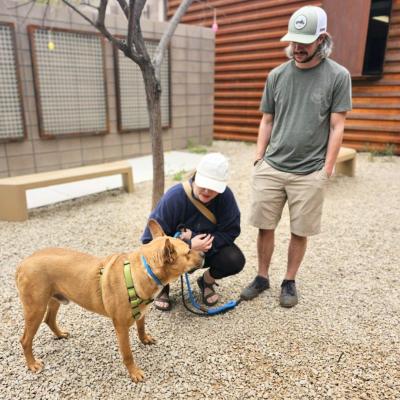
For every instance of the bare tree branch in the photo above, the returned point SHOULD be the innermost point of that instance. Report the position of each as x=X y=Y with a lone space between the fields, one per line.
x=124 y=7
x=101 y=16
x=76 y=9
x=134 y=31
x=166 y=37
x=45 y=12
x=100 y=26
x=23 y=4
x=88 y=5
x=131 y=22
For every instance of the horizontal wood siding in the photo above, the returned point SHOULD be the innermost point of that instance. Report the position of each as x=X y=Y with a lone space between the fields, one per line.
x=248 y=47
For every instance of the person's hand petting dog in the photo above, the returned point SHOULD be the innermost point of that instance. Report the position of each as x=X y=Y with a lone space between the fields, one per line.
x=186 y=234
x=202 y=242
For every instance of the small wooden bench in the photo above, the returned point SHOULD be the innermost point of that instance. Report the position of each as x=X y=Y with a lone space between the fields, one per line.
x=346 y=162
x=13 y=205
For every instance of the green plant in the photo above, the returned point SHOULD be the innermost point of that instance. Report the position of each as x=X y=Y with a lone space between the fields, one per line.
x=366 y=148
x=388 y=151
x=371 y=157
x=179 y=175
x=195 y=148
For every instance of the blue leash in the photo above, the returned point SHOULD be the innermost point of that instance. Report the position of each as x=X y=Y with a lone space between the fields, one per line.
x=204 y=311
x=209 y=311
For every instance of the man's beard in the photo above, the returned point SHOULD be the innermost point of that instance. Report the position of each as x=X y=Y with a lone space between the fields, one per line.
x=309 y=58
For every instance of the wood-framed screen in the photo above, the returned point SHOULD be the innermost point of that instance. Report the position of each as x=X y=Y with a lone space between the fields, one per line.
x=70 y=82
x=12 y=119
x=131 y=95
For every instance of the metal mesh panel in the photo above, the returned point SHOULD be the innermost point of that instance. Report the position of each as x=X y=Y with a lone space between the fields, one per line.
x=71 y=82
x=11 y=118
x=133 y=107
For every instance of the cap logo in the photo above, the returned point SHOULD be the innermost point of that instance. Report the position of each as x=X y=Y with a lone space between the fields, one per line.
x=300 y=22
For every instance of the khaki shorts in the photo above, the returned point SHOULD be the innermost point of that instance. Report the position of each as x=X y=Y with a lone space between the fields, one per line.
x=304 y=194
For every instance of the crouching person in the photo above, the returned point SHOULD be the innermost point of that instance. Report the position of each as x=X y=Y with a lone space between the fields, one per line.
x=205 y=211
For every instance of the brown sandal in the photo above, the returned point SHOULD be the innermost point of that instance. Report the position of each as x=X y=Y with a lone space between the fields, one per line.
x=204 y=285
x=164 y=300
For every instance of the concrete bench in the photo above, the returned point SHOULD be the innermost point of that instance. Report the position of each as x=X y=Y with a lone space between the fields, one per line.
x=346 y=162
x=13 y=205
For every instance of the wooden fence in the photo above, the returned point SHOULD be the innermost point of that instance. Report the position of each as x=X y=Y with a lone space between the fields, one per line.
x=248 y=47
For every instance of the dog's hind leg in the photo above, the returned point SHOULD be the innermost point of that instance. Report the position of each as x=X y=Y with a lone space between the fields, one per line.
x=50 y=319
x=144 y=337
x=33 y=318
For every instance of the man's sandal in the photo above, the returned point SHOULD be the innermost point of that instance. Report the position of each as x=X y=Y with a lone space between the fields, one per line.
x=163 y=298
x=204 y=285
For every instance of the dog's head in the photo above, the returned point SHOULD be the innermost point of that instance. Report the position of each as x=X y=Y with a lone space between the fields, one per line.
x=170 y=257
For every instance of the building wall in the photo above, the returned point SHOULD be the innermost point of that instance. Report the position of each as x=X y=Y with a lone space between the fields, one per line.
x=248 y=47
x=156 y=10
x=191 y=87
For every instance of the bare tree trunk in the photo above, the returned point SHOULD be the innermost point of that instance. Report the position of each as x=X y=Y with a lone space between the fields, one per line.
x=134 y=48
x=153 y=96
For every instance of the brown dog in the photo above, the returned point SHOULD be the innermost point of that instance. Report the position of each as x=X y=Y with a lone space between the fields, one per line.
x=53 y=276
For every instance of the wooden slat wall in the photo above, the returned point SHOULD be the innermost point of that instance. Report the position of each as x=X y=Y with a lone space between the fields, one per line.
x=248 y=47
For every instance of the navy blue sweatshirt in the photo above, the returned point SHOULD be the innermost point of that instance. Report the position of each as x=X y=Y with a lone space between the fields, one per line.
x=175 y=208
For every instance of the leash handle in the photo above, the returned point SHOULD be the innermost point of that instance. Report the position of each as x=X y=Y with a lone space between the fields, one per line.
x=213 y=310
x=225 y=307
x=207 y=311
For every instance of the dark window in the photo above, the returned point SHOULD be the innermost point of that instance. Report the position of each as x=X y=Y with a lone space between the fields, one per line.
x=377 y=36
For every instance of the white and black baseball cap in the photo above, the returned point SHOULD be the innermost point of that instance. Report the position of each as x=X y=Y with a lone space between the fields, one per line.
x=306 y=25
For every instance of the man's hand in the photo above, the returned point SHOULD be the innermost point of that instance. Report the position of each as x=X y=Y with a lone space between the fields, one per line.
x=329 y=171
x=202 y=242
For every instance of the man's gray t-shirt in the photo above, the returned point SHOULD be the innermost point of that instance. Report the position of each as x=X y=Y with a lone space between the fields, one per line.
x=302 y=101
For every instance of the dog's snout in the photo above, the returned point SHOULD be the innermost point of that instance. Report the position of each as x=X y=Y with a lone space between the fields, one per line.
x=200 y=264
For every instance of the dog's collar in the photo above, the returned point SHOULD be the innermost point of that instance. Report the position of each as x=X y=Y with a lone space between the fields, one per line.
x=150 y=272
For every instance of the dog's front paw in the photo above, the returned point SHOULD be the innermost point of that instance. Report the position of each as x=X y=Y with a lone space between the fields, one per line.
x=147 y=339
x=137 y=375
x=62 y=335
x=36 y=366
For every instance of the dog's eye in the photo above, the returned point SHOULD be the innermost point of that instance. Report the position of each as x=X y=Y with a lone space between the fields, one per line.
x=188 y=253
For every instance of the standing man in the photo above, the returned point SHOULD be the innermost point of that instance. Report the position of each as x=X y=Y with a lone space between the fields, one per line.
x=304 y=108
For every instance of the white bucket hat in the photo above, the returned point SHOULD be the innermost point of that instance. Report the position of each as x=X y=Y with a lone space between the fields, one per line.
x=212 y=172
x=305 y=25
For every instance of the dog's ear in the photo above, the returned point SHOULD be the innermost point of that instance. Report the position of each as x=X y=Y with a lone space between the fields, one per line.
x=169 y=252
x=155 y=228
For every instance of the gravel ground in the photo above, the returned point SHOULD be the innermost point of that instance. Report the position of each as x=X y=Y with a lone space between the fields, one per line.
x=341 y=342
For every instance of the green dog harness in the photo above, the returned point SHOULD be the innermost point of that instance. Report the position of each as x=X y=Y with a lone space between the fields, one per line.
x=134 y=299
